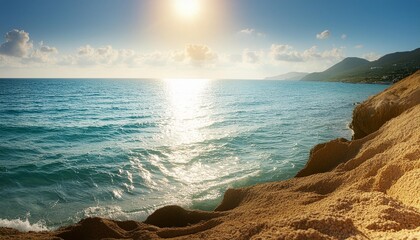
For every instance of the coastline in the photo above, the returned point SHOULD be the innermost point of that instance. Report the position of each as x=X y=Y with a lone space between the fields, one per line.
x=329 y=199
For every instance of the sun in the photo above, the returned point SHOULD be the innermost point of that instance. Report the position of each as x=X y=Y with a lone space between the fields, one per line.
x=187 y=8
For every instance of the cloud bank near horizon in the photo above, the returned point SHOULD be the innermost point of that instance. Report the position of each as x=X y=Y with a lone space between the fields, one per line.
x=18 y=52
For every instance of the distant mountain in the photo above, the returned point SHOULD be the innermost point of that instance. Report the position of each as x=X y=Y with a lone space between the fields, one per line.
x=389 y=68
x=347 y=65
x=288 y=76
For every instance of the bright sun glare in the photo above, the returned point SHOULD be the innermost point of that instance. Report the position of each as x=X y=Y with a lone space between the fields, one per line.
x=187 y=8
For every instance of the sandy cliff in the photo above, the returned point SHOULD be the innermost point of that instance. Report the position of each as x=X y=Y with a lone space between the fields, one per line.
x=373 y=113
x=368 y=188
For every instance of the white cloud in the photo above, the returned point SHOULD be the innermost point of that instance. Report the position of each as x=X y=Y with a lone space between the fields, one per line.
x=105 y=55
x=41 y=54
x=106 y=51
x=284 y=52
x=154 y=59
x=47 y=49
x=323 y=35
x=251 y=32
x=199 y=54
x=247 y=31
x=18 y=50
x=87 y=56
x=41 y=57
x=331 y=54
x=194 y=54
x=127 y=56
x=85 y=50
x=67 y=60
x=358 y=46
x=17 y=44
x=344 y=36
x=252 y=57
x=193 y=59
x=334 y=53
x=371 y=56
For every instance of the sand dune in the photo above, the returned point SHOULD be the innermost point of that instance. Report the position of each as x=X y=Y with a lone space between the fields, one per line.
x=367 y=188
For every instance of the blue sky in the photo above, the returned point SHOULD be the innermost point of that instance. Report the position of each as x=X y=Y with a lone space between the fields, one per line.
x=222 y=39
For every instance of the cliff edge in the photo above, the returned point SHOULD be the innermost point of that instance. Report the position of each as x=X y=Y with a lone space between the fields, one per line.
x=373 y=113
x=367 y=188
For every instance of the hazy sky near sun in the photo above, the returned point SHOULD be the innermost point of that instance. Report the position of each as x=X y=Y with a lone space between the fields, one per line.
x=242 y=39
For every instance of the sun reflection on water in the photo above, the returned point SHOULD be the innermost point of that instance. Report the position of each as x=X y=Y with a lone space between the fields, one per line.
x=185 y=105
x=187 y=161
x=189 y=115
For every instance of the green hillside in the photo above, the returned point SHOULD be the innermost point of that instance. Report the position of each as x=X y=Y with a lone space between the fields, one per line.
x=389 y=68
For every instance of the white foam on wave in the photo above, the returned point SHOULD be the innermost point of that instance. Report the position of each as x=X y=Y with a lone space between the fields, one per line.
x=23 y=225
x=117 y=193
x=113 y=212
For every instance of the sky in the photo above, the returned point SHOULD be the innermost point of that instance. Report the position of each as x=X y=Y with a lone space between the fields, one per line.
x=223 y=39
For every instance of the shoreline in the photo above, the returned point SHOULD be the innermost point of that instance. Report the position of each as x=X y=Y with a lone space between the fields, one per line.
x=375 y=171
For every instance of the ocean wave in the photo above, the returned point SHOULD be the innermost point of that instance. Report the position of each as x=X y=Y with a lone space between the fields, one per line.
x=23 y=225
x=112 y=212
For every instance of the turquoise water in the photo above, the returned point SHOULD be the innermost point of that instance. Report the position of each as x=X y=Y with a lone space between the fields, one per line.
x=73 y=148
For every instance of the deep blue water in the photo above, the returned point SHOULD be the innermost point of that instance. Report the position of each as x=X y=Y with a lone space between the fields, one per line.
x=73 y=148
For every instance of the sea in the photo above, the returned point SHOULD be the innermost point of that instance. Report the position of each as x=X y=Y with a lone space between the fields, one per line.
x=121 y=148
